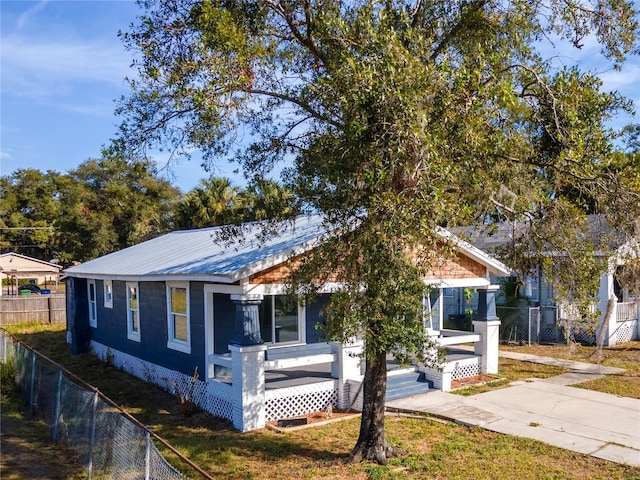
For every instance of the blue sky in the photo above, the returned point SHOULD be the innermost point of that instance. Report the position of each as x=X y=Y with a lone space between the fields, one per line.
x=62 y=67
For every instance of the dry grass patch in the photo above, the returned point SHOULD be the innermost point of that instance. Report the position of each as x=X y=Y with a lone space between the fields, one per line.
x=510 y=371
x=625 y=355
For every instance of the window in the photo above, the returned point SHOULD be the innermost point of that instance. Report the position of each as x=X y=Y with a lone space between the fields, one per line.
x=280 y=320
x=178 y=317
x=133 y=312
x=531 y=289
x=108 y=294
x=91 y=294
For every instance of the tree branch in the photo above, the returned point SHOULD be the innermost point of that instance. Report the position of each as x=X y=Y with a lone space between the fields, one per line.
x=306 y=107
x=456 y=28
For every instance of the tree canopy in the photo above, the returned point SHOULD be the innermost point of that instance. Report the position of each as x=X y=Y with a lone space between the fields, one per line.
x=397 y=117
x=100 y=207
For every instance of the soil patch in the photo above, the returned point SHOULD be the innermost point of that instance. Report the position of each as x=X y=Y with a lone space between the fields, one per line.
x=313 y=419
x=27 y=451
x=480 y=379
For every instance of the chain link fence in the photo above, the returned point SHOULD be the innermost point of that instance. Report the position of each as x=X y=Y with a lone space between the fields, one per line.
x=525 y=325
x=110 y=443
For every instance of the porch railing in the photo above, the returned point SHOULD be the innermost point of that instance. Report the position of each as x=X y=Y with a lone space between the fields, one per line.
x=627 y=311
x=448 y=337
x=284 y=357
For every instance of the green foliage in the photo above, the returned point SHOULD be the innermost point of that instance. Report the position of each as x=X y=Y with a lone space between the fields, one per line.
x=8 y=372
x=28 y=212
x=217 y=202
x=101 y=206
x=214 y=202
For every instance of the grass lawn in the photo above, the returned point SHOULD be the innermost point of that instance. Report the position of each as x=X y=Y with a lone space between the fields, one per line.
x=435 y=449
x=625 y=355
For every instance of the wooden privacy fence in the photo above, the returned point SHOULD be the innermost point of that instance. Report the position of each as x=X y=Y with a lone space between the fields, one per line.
x=33 y=309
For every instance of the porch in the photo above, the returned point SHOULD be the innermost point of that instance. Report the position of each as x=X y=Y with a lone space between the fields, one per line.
x=624 y=324
x=284 y=382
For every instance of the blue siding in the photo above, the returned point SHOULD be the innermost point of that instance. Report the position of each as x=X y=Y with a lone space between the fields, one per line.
x=224 y=314
x=112 y=326
x=314 y=316
x=198 y=338
x=78 y=314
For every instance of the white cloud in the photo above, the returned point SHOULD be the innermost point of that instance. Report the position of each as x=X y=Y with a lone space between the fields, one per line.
x=25 y=17
x=42 y=68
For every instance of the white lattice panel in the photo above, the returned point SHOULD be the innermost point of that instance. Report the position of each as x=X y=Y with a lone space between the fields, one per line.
x=213 y=396
x=293 y=401
x=465 y=370
x=626 y=330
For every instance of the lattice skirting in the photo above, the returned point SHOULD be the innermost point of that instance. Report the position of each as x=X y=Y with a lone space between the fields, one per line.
x=294 y=401
x=212 y=396
x=627 y=331
x=453 y=370
x=465 y=369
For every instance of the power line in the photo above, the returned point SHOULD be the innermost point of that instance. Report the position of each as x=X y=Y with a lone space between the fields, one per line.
x=28 y=228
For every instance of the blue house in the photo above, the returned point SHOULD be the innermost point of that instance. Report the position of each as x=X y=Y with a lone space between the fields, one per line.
x=188 y=312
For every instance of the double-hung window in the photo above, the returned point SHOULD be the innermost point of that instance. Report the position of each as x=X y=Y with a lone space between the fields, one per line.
x=107 y=287
x=133 y=312
x=93 y=311
x=178 y=325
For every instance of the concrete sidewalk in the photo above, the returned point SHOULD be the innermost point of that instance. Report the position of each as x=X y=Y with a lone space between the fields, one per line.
x=593 y=423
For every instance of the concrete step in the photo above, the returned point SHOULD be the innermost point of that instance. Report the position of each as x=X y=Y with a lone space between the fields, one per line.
x=407 y=385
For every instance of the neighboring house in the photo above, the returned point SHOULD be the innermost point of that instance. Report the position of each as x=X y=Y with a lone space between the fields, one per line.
x=182 y=303
x=539 y=292
x=21 y=269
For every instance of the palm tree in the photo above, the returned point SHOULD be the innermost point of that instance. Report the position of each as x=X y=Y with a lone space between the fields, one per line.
x=213 y=202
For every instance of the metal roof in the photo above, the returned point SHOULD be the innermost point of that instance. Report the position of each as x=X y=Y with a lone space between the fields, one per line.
x=189 y=253
x=490 y=237
x=199 y=254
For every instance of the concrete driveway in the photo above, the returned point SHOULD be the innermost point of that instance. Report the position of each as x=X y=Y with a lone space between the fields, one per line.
x=593 y=423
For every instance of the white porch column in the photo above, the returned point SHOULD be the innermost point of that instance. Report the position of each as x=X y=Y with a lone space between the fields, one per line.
x=248 y=385
x=488 y=326
x=346 y=366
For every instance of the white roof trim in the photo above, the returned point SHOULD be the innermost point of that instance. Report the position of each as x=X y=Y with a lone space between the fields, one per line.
x=155 y=278
x=31 y=259
x=495 y=266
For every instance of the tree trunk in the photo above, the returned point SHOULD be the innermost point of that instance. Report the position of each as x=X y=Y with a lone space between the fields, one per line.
x=371 y=444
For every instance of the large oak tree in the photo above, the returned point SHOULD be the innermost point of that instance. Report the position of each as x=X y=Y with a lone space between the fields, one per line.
x=394 y=118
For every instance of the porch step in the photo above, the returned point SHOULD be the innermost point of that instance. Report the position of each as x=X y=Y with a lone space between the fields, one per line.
x=407 y=385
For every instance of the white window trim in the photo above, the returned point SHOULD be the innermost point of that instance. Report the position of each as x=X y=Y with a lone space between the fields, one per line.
x=108 y=299
x=131 y=335
x=93 y=306
x=172 y=342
